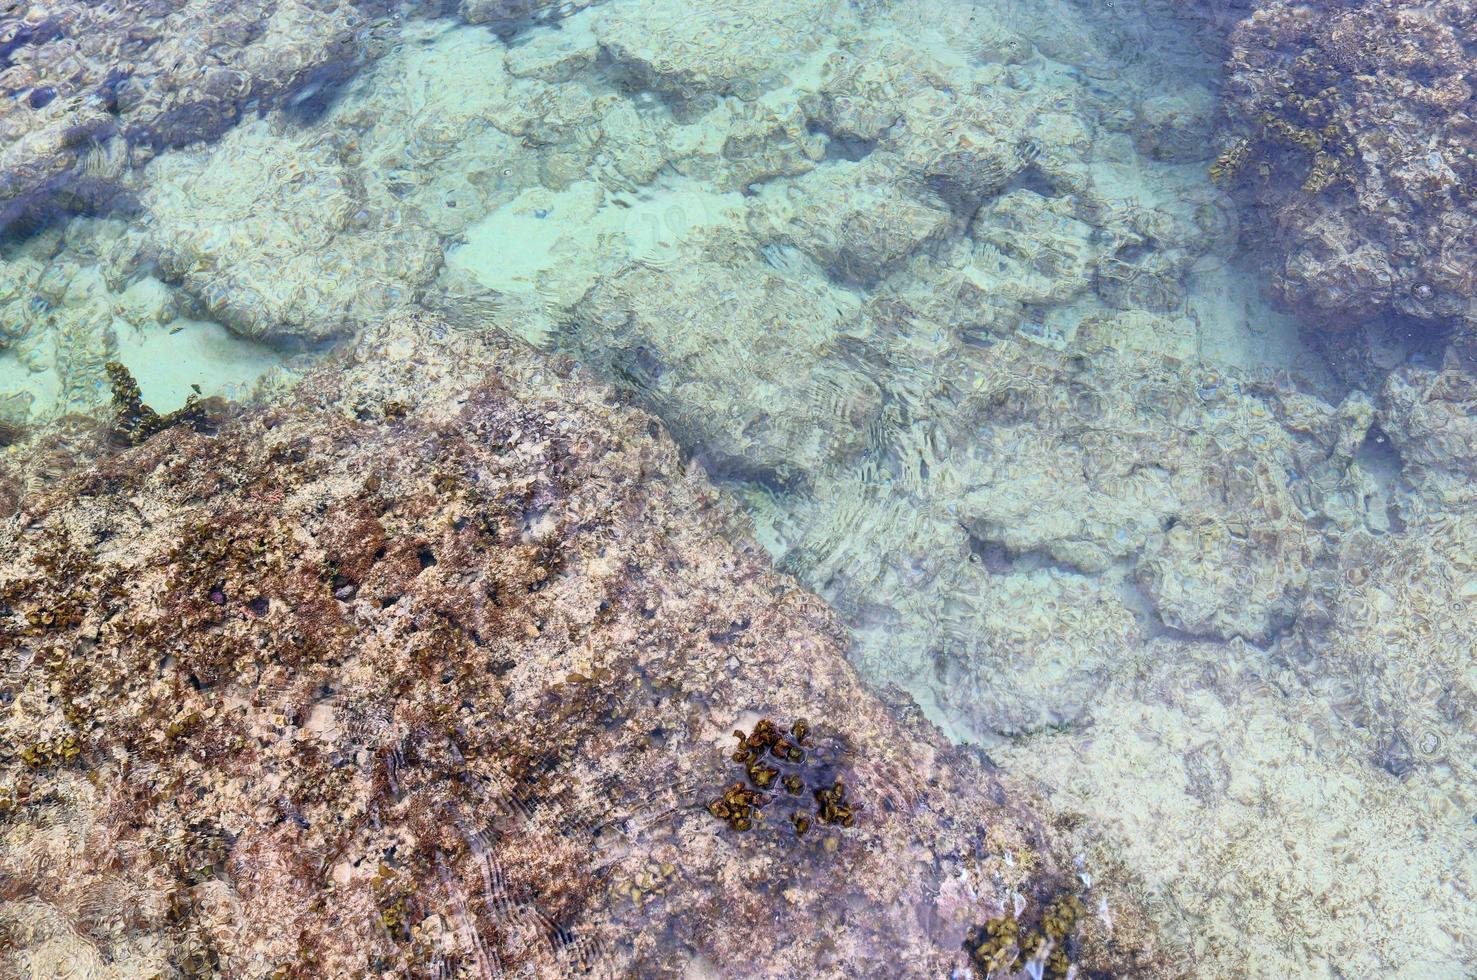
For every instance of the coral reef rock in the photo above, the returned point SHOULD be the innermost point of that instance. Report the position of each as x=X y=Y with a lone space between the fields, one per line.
x=1241 y=798
x=435 y=664
x=228 y=221
x=1353 y=129
x=1391 y=640
x=509 y=17
x=691 y=53
x=756 y=374
x=92 y=88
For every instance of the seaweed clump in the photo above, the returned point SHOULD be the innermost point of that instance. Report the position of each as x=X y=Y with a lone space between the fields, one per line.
x=58 y=753
x=772 y=758
x=12 y=433
x=134 y=422
x=1000 y=945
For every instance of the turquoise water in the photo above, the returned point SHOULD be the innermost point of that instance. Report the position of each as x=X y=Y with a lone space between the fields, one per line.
x=943 y=296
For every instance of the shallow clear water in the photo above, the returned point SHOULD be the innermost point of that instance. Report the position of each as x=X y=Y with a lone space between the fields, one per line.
x=943 y=294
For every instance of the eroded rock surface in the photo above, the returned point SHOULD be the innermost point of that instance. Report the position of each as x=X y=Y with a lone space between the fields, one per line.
x=434 y=665
x=225 y=222
x=747 y=365
x=1357 y=141
x=90 y=89
x=1248 y=801
x=1393 y=644
x=944 y=293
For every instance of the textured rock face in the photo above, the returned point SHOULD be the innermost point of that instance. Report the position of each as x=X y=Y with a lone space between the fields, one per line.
x=1259 y=790
x=851 y=219
x=136 y=77
x=435 y=666
x=1396 y=653
x=1248 y=803
x=775 y=400
x=1337 y=773
x=693 y=52
x=957 y=322
x=508 y=17
x=225 y=222
x=1358 y=127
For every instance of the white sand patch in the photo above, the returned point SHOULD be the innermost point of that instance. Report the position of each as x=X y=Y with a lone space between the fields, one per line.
x=167 y=360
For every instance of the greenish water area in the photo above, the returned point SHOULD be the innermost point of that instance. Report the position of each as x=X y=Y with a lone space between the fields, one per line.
x=943 y=297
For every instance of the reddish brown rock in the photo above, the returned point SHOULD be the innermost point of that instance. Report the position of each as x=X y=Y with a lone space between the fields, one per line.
x=435 y=666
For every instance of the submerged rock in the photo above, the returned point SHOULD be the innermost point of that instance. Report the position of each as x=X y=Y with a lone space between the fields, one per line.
x=749 y=366
x=1395 y=653
x=968 y=342
x=434 y=665
x=509 y=17
x=278 y=239
x=692 y=53
x=1357 y=142
x=1244 y=800
x=88 y=90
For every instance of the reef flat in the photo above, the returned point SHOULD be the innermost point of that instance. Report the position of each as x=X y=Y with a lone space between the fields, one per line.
x=963 y=309
x=433 y=665
x=1356 y=142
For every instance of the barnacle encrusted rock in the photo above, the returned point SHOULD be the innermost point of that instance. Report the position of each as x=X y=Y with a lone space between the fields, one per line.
x=1358 y=145
x=140 y=76
x=434 y=665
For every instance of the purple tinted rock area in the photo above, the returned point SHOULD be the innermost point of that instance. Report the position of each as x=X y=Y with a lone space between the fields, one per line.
x=1358 y=140
x=435 y=665
x=156 y=73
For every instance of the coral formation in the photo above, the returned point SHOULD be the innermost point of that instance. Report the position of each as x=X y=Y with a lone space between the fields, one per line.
x=342 y=690
x=55 y=311
x=74 y=298
x=1356 y=143
x=855 y=220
